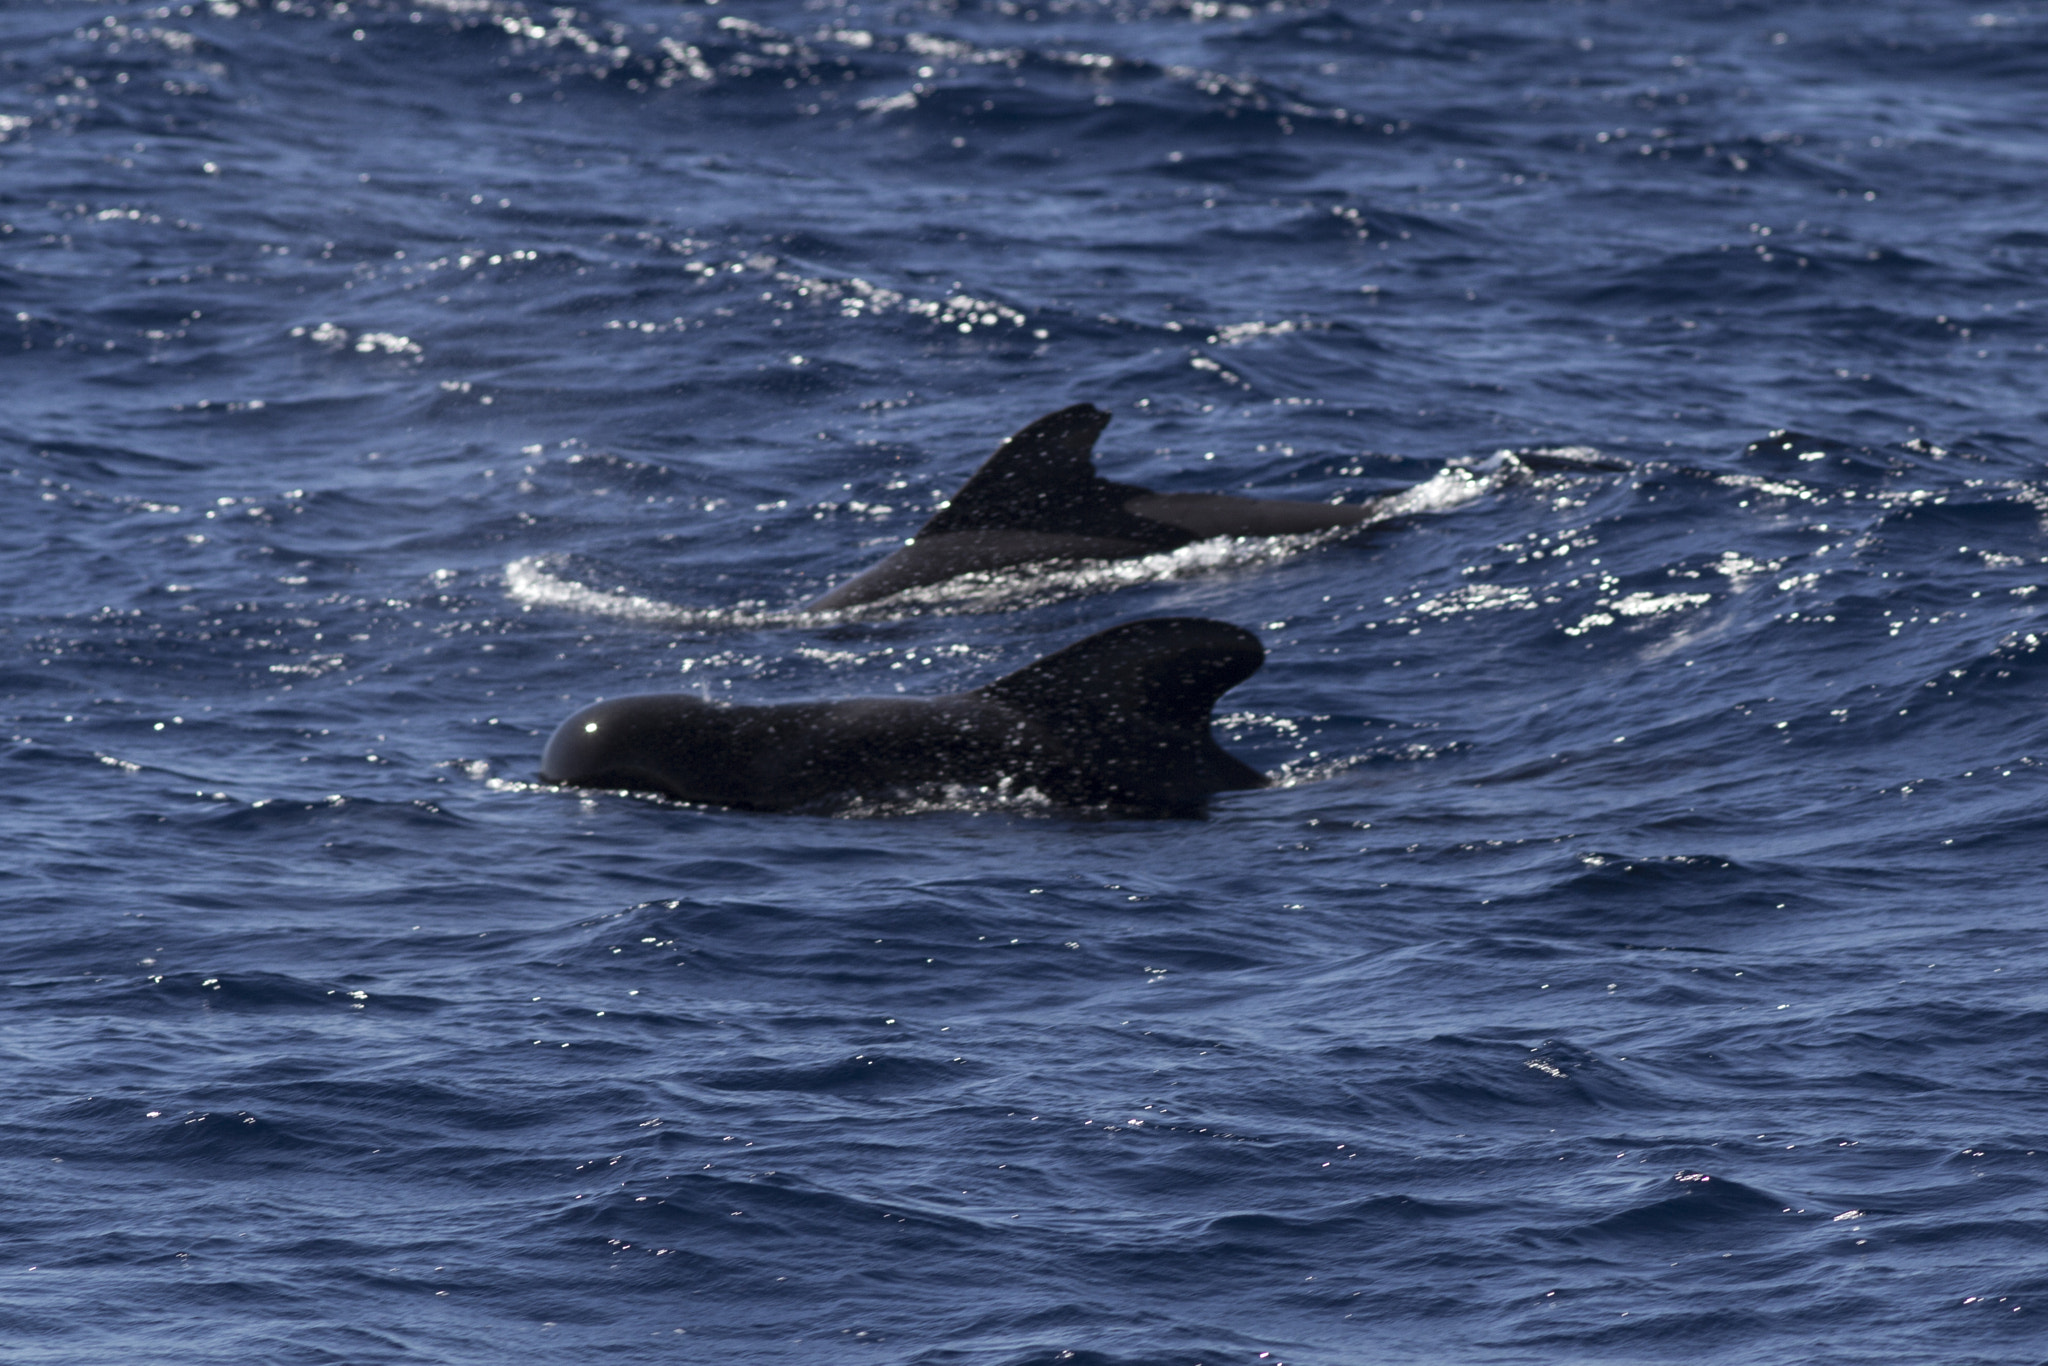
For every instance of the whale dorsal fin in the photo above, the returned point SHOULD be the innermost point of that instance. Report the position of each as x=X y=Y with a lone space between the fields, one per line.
x=1043 y=479
x=1141 y=694
x=1167 y=669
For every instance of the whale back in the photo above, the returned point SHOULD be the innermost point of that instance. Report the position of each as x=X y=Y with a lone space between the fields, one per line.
x=1043 y=479
x=1137 y=699
x=1119 y=720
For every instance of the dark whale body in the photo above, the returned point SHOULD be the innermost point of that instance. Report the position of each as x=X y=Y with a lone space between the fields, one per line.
x=1119 y=720
x=1039 y=498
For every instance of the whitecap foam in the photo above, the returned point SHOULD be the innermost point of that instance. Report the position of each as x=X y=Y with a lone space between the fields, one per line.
x=1449 y=488
x=1303 y=771
x=535 y=581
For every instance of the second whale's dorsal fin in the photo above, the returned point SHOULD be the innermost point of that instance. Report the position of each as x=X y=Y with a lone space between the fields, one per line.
x=1143 y=693
x=1043 y=479
x=1052 y=461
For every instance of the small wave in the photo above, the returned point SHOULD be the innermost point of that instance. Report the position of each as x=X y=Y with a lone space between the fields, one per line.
x=270 y=813
x=867 y=1072
x=263 y=991
x=724 y=1212
x=1691 y=1205
x=239 y=1138
x=1259 y=1231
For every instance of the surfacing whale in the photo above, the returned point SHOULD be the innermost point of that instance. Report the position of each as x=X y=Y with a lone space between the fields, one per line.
x=1039 y=498
x=1119 y=720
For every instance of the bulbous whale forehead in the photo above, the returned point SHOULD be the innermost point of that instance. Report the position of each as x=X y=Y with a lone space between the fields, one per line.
x=603 y=722
x=596 y=739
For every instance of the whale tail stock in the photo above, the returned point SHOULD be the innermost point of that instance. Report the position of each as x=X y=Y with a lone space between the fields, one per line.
x=1138 y=698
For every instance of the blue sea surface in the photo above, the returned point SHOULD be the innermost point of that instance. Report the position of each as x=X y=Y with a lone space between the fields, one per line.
x=1639 y=957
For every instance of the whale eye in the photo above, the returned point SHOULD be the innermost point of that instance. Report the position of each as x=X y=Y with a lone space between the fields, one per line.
x=590 y=727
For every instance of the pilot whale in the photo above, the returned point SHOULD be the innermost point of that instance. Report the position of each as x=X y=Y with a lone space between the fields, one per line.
x=1119 y=720
x=1039 y=498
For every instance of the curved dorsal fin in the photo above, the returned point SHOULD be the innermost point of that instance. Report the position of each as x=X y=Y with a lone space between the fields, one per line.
x=1168 y=671
x=1043 y=479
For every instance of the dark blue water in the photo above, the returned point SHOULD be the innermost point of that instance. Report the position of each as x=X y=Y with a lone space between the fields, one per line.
x=1639 y=959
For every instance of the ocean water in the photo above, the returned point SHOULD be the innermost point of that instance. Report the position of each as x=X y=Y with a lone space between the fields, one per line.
x=1639 y=957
